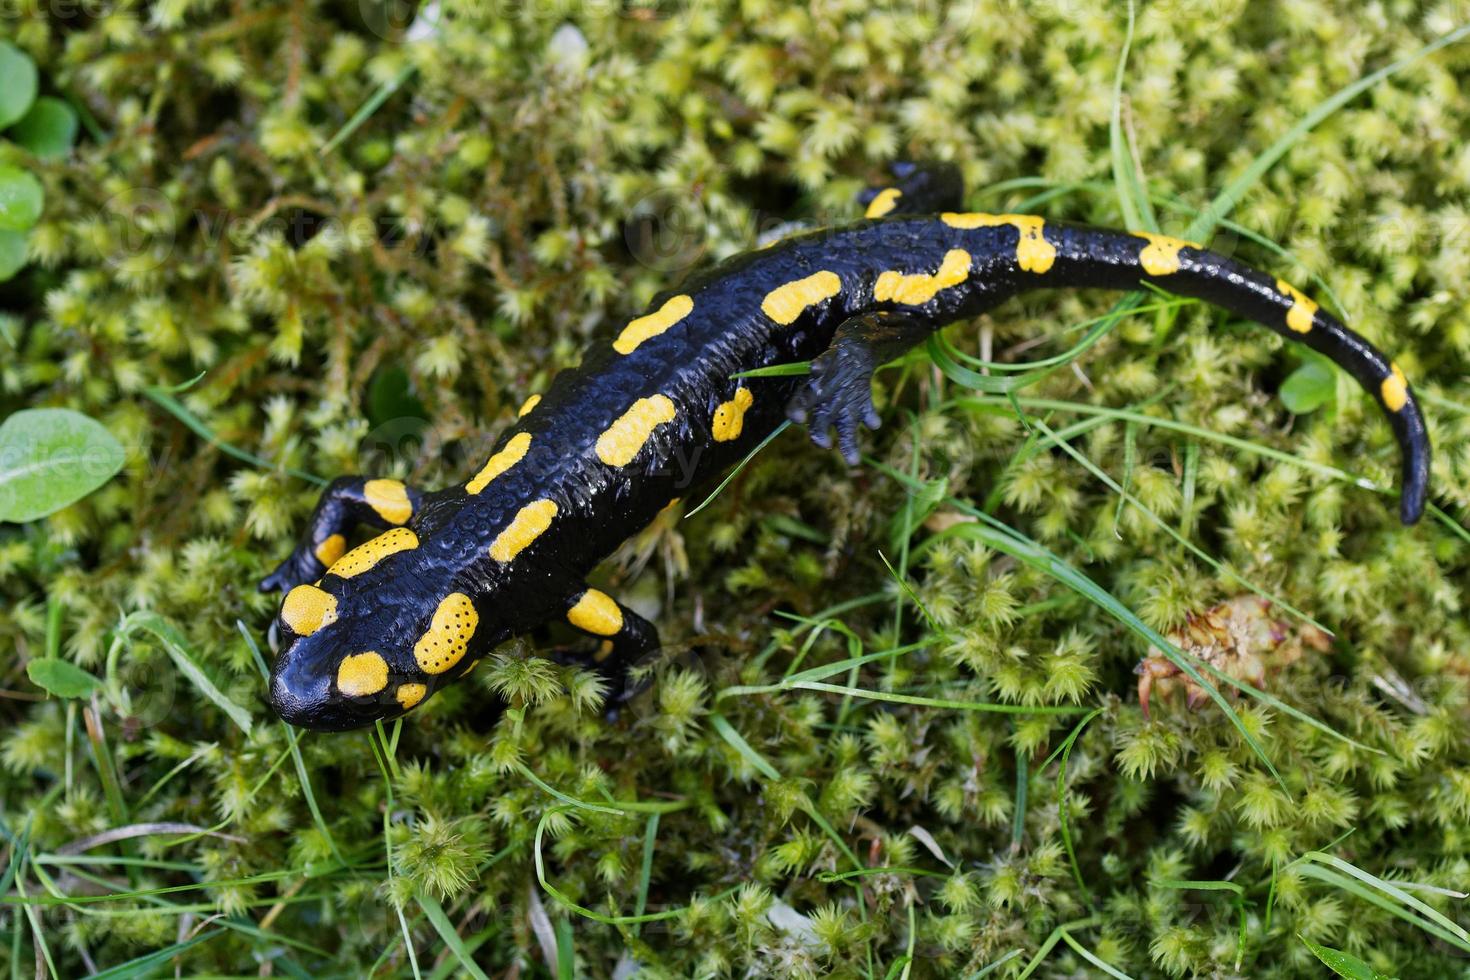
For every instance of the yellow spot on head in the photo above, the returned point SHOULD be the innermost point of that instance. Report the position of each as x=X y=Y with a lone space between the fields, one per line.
x=409 y=695
x=1160 y=257
x=530 y=522
x=362 y=674
x=883 y=202
x=785 y=303
x=1033 y=252
x=448 y=635
x=369 y=553
x=389 y=498
x=624 y=438
x=675 y=308
x=730 y=416
x=527 y=405
x=596 y=613
x=330 y=549
x=1394 y=389
x=512 y=454
x=1299 y=317
x=307 y=609
x=604 y=650
x=920 y=288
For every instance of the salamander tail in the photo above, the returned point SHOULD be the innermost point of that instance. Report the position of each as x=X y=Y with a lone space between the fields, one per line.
x=1094 y=257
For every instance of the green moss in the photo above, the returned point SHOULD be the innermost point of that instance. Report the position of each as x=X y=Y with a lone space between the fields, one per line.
x=472 y=232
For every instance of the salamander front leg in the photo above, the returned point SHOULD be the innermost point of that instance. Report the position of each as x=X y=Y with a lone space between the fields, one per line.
x=346 y=503
x=839 y=392
x=917 y=188
x=625 y=636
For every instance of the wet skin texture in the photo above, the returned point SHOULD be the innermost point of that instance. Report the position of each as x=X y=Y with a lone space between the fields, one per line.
x=373 y=632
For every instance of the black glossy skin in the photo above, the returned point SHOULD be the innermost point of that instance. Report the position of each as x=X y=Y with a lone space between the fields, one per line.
x=388 y=607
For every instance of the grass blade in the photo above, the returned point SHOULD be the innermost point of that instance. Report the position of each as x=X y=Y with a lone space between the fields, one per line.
x=1204 y=226
x=434 y=912
x=1392 y=890
x=739 y=744
x=192 y=422
x=1132 y=199
x=174 y=644
x=645 y=868
x=738 y=467
x=147 y=964
x=375 y=102
x=1092 y=958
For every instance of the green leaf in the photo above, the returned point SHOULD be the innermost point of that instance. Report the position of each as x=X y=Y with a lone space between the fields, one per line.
x=12 y=253
x=1343 y=964
x=61 y=678
x=52 y=457
x=48 y=130
x=21 y=199
x=17 y=83
x=1308 y=388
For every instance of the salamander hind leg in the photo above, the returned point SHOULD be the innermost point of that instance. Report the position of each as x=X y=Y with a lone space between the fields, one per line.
x=839 y=392
x=917 y=188
x=346 y=503
x=624 y=638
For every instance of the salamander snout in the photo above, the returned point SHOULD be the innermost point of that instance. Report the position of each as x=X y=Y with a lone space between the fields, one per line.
x=306 y=690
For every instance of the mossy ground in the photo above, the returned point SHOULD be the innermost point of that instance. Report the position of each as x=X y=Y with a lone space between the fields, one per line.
x=385 y=306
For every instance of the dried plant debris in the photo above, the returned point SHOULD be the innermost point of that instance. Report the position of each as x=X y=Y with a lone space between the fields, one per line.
x=1241 y=637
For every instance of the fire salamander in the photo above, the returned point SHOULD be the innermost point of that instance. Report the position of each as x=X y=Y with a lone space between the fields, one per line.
x=372 y=632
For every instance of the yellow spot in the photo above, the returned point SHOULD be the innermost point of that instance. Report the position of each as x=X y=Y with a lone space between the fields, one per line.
x=1160 y=257
x=920 y=288
x=624 y=438
x=596 y=613
x=730 y=416
x=369 y=553
x=883 y=202
x=604 y=650
x=1299 y=317
x=512 y=454
x=527 y=405
x=1395 y=389
x=448 y=636
x=785 y=303
x=675 y=308
x=307 y=609
x=362 y=674
x=1033 y=252
x=409 y=695
x=330 y=549
x=528 y=525
x=389 y=498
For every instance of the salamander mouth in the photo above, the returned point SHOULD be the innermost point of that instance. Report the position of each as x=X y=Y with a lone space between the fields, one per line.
x=329 y=715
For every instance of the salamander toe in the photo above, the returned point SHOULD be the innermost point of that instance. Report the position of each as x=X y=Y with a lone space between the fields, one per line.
x=838 y=394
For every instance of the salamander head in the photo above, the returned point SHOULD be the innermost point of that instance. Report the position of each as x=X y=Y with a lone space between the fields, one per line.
x=352 y=654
